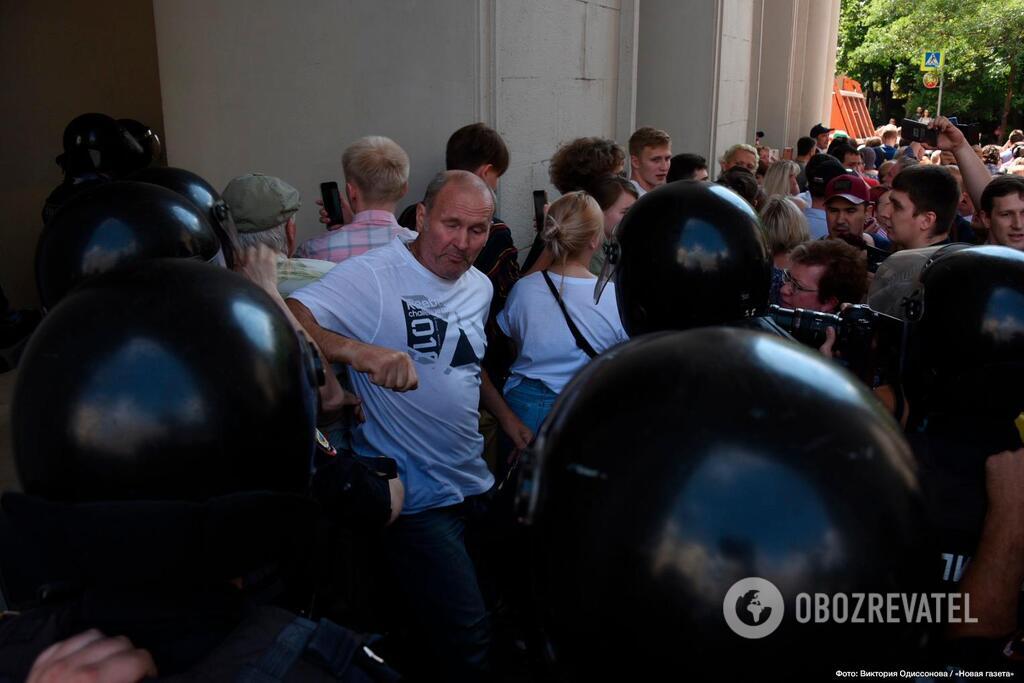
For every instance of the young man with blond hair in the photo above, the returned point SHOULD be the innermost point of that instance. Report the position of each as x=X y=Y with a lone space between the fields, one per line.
x=376 y=176
x=650 y=156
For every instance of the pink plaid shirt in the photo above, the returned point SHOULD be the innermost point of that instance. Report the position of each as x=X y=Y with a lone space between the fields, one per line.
x=368 y=230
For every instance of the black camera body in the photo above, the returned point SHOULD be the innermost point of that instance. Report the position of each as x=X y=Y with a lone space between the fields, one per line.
x=868 y=343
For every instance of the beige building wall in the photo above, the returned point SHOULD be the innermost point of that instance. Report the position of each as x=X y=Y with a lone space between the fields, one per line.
x=713 y=72
x=62 y=59
x=282 y=88
x=799 y=78
x=557 y=66
x=677 y=71
x=735 y=54
x=695 y=73
x=263 y=87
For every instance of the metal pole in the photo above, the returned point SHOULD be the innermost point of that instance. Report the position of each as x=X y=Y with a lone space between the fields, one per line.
x=938 y=107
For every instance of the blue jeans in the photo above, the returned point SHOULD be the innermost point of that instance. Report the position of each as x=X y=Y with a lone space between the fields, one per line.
x=531 y=401
x=437 y=580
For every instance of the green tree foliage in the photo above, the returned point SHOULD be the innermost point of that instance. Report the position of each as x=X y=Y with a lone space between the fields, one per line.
x=881 y=41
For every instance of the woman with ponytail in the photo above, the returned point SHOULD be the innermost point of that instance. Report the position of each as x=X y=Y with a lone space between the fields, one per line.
x=551 y=316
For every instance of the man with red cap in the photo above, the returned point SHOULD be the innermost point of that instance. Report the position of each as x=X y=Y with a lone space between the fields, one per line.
x=847 y=198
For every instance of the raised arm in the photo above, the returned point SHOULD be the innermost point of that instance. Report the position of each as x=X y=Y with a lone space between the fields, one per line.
x=259 y=266
x=973 y=169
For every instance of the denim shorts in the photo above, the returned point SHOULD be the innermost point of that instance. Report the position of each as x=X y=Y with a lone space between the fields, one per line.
x=531 y=401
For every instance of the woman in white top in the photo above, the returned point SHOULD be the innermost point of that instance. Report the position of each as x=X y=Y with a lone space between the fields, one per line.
x=548 y=354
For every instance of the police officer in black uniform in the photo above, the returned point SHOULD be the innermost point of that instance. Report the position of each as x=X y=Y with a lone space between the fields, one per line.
x=98 y=148
x=965 y=398
x=689 y=254
x=681 y=463
x=163 y=425
x=205 y=197
x=115 y=223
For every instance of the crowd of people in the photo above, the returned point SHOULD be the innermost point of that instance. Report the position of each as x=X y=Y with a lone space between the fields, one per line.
x=442 y=374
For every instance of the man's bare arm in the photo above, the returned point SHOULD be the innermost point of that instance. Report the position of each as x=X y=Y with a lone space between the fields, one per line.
x=259 y=265
x=994 y=577
x=386 y=367
x=973 y=169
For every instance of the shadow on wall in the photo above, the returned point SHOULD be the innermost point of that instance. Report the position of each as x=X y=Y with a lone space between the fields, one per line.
x=75 y=58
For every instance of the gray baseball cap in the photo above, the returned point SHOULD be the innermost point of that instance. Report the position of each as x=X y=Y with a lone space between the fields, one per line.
x=260 y=202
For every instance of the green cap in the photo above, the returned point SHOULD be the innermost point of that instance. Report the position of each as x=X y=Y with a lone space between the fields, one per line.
x=260 y=202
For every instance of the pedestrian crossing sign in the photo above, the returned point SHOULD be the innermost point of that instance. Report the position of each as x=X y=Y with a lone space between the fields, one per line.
x=932 y=61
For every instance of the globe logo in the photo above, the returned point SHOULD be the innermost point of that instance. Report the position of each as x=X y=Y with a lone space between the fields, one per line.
x=751 y=610
x=753 y=607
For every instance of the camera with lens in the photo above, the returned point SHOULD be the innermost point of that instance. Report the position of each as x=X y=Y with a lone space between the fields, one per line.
x=868 y=343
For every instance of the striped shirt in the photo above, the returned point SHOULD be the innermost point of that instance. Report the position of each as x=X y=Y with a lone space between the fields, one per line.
x=368 y=230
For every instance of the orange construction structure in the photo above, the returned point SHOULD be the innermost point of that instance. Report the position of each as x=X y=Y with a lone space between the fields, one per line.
x=850 y=109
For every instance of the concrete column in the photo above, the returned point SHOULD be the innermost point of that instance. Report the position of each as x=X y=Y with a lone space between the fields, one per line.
x=830 y=59
x=794 y=114
x=756 y=81
x=817 y=73
x=563 y=71
x=629 y=31
x=677 y=64
x=776 y=88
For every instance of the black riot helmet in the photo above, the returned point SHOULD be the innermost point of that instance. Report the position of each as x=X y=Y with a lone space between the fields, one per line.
x=97 y=143
x=116 y=223
x=203 y=195
x=149 y=144
x=679 y=464
x=690 y=254
x=968 y=331
x=164 y=380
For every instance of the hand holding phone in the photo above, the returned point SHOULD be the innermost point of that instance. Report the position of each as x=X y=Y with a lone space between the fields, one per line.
x=915 y=131
x=332 y=202
x=540 y=200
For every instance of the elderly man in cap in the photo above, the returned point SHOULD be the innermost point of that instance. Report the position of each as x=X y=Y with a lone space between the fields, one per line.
x=264 y=210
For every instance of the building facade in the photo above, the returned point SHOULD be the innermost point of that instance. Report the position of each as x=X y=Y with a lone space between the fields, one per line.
x=239 y=86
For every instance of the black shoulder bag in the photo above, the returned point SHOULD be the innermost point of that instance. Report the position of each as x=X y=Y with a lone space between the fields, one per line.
x=580 y=339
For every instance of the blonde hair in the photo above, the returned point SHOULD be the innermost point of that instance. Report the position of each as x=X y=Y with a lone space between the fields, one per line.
x=729 y=153
x=776 y=178
x=378 y=167
x=571 y=224
x=783 y=224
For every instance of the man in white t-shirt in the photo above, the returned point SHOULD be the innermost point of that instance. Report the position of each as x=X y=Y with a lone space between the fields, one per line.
x=409 y=319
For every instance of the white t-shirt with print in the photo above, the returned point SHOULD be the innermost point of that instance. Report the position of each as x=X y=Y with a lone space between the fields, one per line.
x=534 y=321
x=387 y=298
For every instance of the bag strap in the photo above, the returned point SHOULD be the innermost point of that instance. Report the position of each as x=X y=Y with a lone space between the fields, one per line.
x=581 y=341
